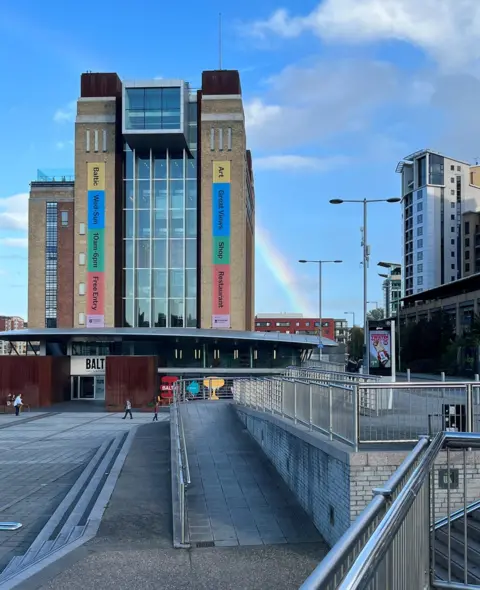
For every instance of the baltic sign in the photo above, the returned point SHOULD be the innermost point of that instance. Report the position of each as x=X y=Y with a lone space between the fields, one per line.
x=221 y=245
x=87 y=365
x=96 y=246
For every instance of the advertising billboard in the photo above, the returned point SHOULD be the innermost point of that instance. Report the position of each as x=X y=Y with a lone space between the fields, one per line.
x=95 y=293
x=221 y=251
x=380 y=349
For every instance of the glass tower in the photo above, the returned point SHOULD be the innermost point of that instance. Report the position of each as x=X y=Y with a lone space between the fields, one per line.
x=160 y=222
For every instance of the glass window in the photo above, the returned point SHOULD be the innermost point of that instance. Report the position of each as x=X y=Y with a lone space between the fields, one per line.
x=160 y=313
x=176 y=164
x=160 y=165
x=467 y=267
x=142 y=313
x=135 y=99
x=160 y=223
x=143 y=284
x=191 y=253
x=128 y=313
x=160 y=191
x=191 y=313
x=191 y=223
x=419 y=231
x=128 y=162
x=128 y=274
x=419 y=267
x=419 y=280
x=191 y=186
x=452 y=217
x=419 y=255
x=419 y=243
x=467 y=242
x=421 y=171
x=176 y=224
x=64 y=217
x=176 y=194
x=419 y=206
x=467 y=228
x=191 y=283
x=81 y=229
x=143 y=194
x=129 y=254
x=143 y=253
x=176 y=253
x=143 y=223
x=153 y=99
x=160 y=253
x=175 y=284
x=176 y=313
x=171 y=108
x=128 y=223
x=129 y=197
x=143 y=165
x=159 y=284
x=419 y=218
x=436 y=169
x=192 y=167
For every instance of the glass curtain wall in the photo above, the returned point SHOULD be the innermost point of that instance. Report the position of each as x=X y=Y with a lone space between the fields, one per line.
x=160 y=232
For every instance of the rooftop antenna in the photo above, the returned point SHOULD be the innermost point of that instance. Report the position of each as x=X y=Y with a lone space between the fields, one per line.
x=220 y=40
x=476 y=160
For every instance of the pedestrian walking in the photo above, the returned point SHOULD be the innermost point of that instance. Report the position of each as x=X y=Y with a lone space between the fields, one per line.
x=128 y=409
x=17 y=404
x=155 y=416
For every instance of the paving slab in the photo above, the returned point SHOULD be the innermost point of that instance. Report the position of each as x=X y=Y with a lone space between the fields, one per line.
x=235 y=489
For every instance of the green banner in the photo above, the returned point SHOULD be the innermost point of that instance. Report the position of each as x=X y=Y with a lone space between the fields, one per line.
x=95 y=250
x=221 y=250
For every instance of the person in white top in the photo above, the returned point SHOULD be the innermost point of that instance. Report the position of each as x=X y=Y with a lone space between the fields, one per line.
x=18 y=403
x=128 y=409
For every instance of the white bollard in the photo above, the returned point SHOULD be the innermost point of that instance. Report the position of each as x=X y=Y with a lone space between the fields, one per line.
x=408 y=374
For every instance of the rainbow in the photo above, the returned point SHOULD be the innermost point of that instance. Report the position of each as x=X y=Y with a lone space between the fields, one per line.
x=282 y=271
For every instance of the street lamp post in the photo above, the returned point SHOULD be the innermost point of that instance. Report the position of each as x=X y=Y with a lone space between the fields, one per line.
x=352 y=313
x=365 y=202
x=374 y=303
x=320 y=263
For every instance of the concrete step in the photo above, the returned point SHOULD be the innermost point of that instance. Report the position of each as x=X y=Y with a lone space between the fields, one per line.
x=77 y=532
x=45 y=549
x=457 y=562
x=11 y=568
x=62 y=538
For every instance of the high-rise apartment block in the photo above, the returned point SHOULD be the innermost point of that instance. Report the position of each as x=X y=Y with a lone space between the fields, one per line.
x=157 y=227
x=436 y=192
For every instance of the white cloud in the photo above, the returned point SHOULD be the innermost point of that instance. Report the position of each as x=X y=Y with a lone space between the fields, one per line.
x=14 y=212
x=292 y=163
x=448 y=30
x=14 y=242
x=319 y=99
x=61 y=145
x=66 y=114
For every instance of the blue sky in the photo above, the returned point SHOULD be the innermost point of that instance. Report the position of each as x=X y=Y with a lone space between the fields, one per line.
x=336 y=92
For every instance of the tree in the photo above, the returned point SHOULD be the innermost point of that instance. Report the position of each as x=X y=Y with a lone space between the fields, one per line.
x=376 y=314
x=355 y=344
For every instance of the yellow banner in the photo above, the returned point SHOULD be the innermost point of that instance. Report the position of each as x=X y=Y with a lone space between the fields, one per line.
x=96 y=176
x=221 y=171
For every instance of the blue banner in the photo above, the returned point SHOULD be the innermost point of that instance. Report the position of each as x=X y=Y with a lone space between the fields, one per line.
x=96 y=209
x=221 y=209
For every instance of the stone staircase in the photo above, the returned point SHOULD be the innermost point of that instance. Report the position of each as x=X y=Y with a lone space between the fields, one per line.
x=70 y=520
x=457 y=550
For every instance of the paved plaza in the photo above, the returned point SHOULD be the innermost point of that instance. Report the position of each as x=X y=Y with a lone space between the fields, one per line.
x=41 y=457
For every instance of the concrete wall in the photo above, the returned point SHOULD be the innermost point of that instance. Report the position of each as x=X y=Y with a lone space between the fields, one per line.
x=333 y=483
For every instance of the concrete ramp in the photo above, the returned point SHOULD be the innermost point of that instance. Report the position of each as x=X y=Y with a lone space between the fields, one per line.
x=236 y=496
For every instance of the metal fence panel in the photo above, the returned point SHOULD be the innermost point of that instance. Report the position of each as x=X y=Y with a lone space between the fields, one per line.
x=288 y=405
x=403 y=412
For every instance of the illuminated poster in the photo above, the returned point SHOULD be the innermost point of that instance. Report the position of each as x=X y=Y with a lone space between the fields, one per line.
x=221 y=252
x=380 y=349
x=95 y=293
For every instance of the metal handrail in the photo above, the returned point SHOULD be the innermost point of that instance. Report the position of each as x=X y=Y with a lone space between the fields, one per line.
x=372 y=554
x=420 y=385
x=330 y=565
x=456 y=515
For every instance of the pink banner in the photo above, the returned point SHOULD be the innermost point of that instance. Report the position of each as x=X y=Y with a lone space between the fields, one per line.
x=95 y=294
x=221 y=290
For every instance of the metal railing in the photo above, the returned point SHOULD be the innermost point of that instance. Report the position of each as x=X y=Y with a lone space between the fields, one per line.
x=362 y=410
x=395 y=542
x=181 y=470
x=325 y=365
x=325 y=407
x=404 y=411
